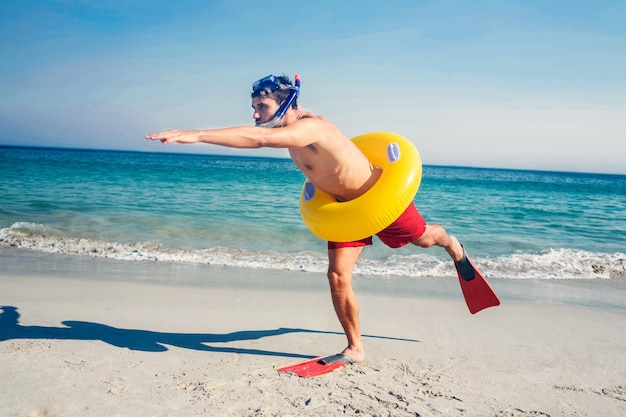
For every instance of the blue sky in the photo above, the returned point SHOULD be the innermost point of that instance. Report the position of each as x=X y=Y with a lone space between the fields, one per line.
x=526 y=84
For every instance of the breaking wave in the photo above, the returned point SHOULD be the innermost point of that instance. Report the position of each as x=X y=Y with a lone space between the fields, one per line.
x=548 y=264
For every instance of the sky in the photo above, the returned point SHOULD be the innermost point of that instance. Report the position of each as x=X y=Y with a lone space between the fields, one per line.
x=526 y=84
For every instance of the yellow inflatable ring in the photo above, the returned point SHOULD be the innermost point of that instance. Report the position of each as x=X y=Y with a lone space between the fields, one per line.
x=380 y=206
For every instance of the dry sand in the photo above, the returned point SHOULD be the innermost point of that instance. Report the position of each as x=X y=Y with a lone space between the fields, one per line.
x=99 y=338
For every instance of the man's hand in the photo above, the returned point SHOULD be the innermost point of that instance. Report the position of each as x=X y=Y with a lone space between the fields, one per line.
x=170 y=136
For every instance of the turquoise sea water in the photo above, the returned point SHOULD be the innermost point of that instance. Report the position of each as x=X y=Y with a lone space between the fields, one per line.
x=242 y=211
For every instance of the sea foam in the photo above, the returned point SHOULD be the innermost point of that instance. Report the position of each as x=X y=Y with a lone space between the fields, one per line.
x=548 y=264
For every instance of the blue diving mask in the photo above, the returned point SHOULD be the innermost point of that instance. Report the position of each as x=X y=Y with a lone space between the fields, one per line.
x=272 y=83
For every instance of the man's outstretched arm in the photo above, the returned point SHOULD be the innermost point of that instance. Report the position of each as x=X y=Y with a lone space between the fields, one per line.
x=298 y=134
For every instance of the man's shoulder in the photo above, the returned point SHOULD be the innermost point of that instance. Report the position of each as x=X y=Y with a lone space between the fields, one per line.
x=307 y=115
x=315 y=121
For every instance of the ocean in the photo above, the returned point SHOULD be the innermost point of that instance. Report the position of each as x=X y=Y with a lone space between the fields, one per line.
x=243 y=212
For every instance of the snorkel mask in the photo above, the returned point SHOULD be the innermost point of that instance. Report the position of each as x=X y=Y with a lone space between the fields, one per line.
x=272 y=83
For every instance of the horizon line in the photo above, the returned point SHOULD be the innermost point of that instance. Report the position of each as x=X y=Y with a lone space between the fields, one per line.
x=81 y=149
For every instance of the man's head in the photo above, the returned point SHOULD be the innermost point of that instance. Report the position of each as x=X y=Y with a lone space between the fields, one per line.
x=272 y=96
x=276 y=87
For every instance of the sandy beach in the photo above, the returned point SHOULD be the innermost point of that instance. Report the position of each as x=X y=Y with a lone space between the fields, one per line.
x=86 y=337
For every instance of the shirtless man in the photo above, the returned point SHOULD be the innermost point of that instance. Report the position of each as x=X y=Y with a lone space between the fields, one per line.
x=333 y=164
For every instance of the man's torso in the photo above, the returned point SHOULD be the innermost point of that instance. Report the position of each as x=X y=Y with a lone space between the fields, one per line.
x=334 y=164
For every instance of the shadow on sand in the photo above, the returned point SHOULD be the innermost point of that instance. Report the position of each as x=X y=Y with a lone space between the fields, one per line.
x=146 y=340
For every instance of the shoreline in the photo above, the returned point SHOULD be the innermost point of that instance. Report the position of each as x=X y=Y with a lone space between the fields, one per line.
x=101 y=345
x=600 y=293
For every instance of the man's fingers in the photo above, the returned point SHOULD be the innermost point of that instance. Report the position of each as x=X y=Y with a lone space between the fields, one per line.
x=166 y=137
x=158 y=136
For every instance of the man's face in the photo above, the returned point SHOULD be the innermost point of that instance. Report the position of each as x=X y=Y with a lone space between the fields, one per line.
x=264 y=109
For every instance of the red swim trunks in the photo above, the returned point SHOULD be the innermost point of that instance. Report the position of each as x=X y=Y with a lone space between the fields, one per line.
x=408 y=227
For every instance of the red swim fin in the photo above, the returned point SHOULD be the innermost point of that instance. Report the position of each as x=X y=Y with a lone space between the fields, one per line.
x=476 y=290
x=317 y=366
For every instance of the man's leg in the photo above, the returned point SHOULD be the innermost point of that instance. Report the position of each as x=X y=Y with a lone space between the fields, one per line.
x=437 y=235
x=340 y=266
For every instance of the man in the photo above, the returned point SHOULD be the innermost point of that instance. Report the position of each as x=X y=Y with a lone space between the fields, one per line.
x=334 y=165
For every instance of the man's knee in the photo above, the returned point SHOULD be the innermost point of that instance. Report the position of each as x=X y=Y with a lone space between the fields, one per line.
x=432 y=236
x=339 y=281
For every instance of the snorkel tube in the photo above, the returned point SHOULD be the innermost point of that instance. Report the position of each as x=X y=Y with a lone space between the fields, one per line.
x=280 y=113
